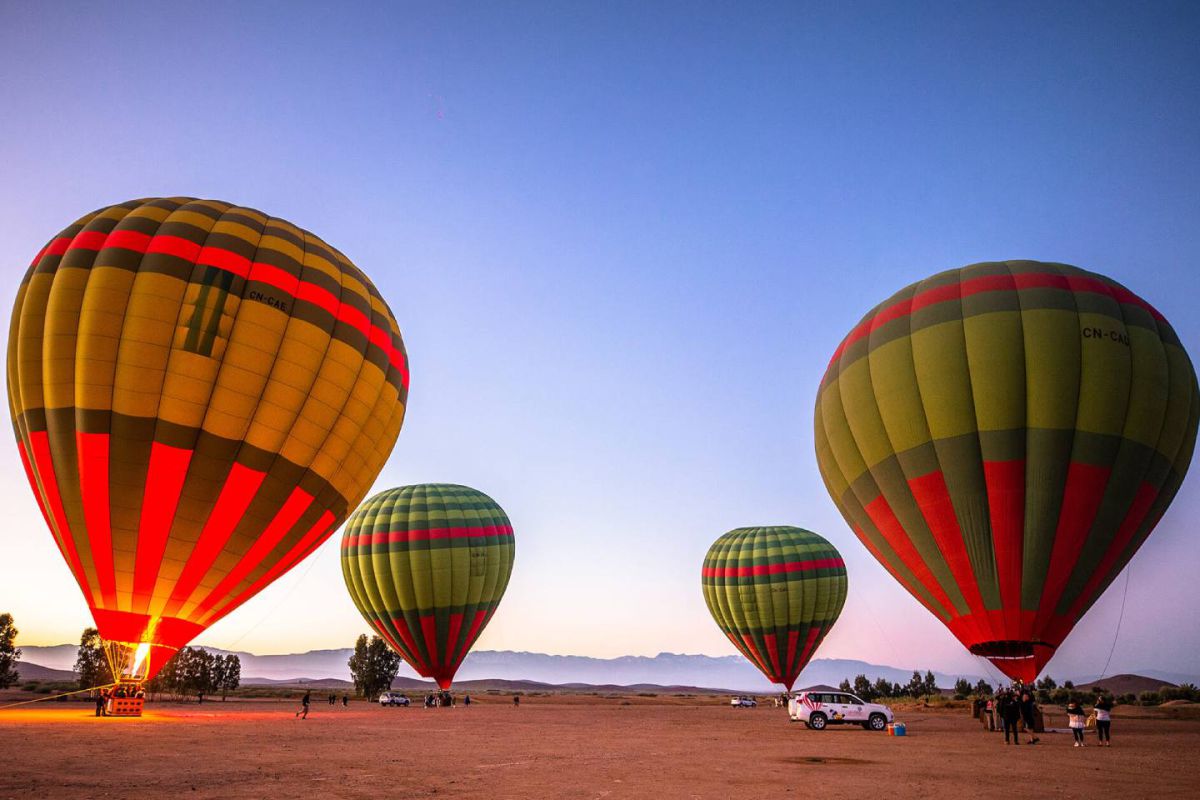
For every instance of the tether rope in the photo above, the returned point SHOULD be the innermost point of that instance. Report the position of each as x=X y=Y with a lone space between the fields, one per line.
x=56 y=696
x=1120 y=619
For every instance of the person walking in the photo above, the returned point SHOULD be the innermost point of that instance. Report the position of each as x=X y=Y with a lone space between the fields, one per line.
x=1103 y=708
x=1076 y=721
x=345 y=701
x=304 y=702
x=467 y=700
x=1010 y=713
x=1028 y=709
x=516 y=701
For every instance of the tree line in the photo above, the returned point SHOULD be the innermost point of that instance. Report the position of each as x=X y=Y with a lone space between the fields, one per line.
x=917 y=686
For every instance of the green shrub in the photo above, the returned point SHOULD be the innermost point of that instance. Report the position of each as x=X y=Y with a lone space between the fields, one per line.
x=1149 y=698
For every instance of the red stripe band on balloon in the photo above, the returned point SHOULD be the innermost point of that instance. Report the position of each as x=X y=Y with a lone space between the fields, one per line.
x=992 y=283
x=392 y=537
x=229 y=261
x=772 y=569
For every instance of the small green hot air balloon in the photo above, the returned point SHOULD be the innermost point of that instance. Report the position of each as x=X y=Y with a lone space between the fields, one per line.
x=427 y=565
x=775 y=592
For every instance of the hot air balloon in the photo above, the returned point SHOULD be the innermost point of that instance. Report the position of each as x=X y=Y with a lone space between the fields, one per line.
x=201 y=393
x=1002 y=438
x=775 y=592
x=427 y=565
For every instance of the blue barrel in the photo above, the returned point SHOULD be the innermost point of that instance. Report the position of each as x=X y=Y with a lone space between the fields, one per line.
x=898 y=729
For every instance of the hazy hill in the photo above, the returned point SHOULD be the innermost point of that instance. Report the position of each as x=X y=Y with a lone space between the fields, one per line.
x=36 y=672
x=732 y=673
x=1125 y=684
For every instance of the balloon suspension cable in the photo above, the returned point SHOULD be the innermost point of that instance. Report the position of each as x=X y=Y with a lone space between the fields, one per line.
x=882 y=631
x=1120 y=619
x=56 y=696
x=994 y=673
x=275 y=607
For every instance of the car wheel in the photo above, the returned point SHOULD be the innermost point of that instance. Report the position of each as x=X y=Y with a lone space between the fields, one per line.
x=877 y=722
x=817 y=721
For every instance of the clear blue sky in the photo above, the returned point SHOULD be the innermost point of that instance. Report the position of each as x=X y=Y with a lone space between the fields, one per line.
x=622 y=242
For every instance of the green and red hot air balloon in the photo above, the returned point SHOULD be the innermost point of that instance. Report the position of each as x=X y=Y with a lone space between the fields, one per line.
x=775 y=592
x=427 y=565
x=1002 y=438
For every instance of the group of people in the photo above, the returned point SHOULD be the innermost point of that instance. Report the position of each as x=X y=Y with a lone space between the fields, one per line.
x=1101 y=710
x=120 y=691
x=1014 y=708
x=333 y=698
x=444 y=699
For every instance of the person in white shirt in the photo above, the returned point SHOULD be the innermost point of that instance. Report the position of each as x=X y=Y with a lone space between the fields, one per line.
x=1076 y=721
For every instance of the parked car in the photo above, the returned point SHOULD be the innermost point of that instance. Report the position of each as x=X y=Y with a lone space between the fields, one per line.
x=393 y=699
x=743 y=702
x=819 y=709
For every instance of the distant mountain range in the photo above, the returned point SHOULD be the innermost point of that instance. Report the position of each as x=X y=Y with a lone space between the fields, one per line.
x=664 y=670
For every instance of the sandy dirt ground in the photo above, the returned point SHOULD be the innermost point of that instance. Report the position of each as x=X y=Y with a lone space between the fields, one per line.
x=569 y=747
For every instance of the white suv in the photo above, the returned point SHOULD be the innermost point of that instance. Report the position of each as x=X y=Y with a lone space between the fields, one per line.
x=818 y=709
x=744 y=702
x=393 y=699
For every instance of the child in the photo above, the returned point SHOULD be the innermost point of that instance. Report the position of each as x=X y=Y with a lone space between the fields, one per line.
x=1076 y=721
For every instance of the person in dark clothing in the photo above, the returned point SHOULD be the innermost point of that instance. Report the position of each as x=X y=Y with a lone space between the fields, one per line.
x=516 y=701
x=1027 y=715
x=1103 y=706
x=345 y=701
x=304 y=701
x=467 y=700
x=101 y=699
x=1010 y=714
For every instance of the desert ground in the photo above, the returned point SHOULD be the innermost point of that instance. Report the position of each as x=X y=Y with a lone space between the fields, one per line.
x=570 y=747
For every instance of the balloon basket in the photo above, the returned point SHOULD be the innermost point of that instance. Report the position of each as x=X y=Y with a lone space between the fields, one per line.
x=124 y=706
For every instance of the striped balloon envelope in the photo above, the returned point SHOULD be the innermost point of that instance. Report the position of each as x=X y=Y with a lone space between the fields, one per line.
x=775 y=592
x=1002 y=438
x=201 y=393
x=427 y=565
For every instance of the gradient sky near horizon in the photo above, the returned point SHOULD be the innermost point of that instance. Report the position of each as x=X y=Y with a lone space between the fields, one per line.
x=622 y=241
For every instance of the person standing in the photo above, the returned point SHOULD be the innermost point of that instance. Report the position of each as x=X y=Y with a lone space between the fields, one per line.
x=1010 y=712
x=304 y=701
x=345 y=701
x=990 y=710
x=1103 y=707
x=1076 y=720
x=101 y=699
x=1027 y=715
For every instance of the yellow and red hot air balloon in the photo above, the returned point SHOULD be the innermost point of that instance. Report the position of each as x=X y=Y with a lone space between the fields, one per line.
x=1002 y=438
x=201 y=394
